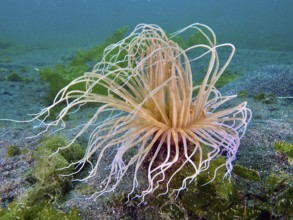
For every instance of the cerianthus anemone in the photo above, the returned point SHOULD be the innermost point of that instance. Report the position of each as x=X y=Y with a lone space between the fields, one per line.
x=154 y=110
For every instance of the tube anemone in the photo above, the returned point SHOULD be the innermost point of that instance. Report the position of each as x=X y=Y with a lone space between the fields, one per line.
x=157 y=119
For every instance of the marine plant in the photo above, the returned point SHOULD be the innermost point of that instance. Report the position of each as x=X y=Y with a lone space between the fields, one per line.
x=12 y=151
x=157 y=121
x=38 y=211
x=266 y=98
x=49 y=187
x=242 y=93
x=14 y=77
x=286 y=148
x=48 y=183
x=62 y=74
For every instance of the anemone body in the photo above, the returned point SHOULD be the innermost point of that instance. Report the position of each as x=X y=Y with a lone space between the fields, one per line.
x=154 y=110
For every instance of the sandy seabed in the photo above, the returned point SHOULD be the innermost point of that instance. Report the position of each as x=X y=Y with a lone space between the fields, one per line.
x=260 y=71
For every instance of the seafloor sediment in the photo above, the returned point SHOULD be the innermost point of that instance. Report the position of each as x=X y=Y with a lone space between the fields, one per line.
x=259 y=72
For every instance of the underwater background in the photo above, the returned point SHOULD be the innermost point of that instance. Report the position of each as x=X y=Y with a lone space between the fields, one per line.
x=262 y=24
x=44 y=44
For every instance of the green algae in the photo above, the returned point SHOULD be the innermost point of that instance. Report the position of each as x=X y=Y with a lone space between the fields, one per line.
x=219 y=199
x=222 y=198
x=49 y=183
x=42 y=211
x=197 y=38
x=246 y=173
x=71 y=154
x=279 y=191
x=283 y=146
x=179 y=40
x=62 y=74
x=226 y=78
x=14 y=77
x=96 y=53
x=285 y=202
x=266 y=98
x=84 y=189
x=209 y=191
x=12 y=151
x=286 y=148
x=5 y=59
x=276 y=181
x=242 y=93
x=59 y=76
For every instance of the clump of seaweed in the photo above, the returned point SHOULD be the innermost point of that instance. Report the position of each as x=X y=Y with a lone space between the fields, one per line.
x=266 y=98
x=49 y=183
x=62 y=74
x=12 y=151
x=286 y=148
x=38 y=211
x=242 y=93
x=14 y=77
x=219 y=199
